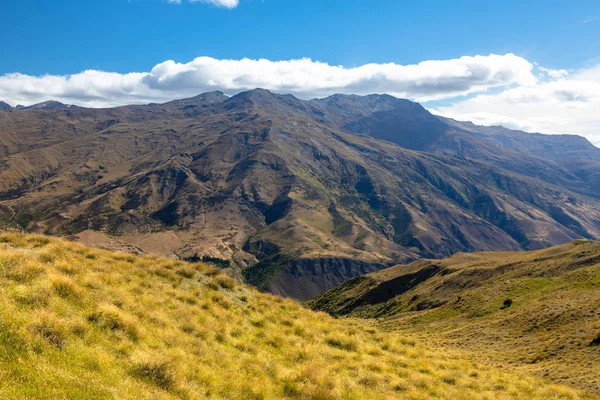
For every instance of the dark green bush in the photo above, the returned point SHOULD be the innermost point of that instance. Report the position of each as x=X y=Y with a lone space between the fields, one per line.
x=507 y=303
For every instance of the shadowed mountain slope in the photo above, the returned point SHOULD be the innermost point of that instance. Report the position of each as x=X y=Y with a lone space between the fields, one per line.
x=294 y=196
x=552 y=158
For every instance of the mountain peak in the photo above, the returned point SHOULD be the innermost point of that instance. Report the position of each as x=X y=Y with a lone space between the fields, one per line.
x=207 y=98
x=371 y=102
x=4 y=106
x=255 y=94
x=215 y=96
x=50 y=104
x=263 y=97
x=357 y=97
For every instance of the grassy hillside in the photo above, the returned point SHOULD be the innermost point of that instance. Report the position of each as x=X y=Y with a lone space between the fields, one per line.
x=80 y=323
x=538 y=311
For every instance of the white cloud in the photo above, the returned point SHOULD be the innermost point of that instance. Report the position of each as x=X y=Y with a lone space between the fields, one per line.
x=525 y=96
x=589 y=19
x=305 y=78
x=217 y=3
x=569 y=104
x=554 y=73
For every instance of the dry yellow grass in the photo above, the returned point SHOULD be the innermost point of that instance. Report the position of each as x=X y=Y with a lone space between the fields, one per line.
x=534 y=312
x=80 y=323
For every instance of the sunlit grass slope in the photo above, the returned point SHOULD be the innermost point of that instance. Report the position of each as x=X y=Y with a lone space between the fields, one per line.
x=82 y=323
x=538 y=312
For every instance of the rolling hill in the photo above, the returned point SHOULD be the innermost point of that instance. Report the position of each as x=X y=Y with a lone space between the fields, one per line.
x=294 y=197
x=538 y=312
x=83 y=323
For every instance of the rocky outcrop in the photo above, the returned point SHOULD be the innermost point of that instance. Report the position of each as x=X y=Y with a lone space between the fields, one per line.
x=306 y=278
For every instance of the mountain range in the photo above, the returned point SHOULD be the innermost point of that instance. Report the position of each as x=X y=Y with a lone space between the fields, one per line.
x=294 y=197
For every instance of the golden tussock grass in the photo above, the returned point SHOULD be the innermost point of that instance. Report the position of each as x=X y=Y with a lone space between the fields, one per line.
x=82 y=323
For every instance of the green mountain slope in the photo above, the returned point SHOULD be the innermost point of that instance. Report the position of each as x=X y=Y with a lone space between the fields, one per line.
x=539 y=310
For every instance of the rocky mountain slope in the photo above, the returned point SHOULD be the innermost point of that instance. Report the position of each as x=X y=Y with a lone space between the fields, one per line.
x=294 y=196
x=83 y=323
x=535 y=311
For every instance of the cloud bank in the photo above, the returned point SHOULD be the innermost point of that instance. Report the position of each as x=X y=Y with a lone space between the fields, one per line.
x=560 y=104
x=493 y=89
x=305 y=78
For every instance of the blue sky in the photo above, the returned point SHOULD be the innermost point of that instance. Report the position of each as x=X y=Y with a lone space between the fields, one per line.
x=67 y=36
x=532 y=65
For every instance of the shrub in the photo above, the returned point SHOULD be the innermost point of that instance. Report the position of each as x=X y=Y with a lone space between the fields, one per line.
x=51 y=329
x=65 y=287
x=291 y=388
x=33 y=296
x=368 y=381
x=299 y=331
x=79 y=329
x=68 y=269
x=12 y=341
x=217 y=262
x=188 y=328
x=20 y=270
x=507 y=303
x=321 y=393
x=38 y=241
x=258 y=323
x=188 y=299
x=449 y=380
x=341 y=343
x=213 y=285
x=225 y=282
x=156 y=370
x=187 y=272
x=221 y=300
x=111 y=318
x=212 y=272
x=400 y=388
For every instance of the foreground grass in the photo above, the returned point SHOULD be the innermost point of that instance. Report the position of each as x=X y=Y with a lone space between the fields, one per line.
x=82 y=323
